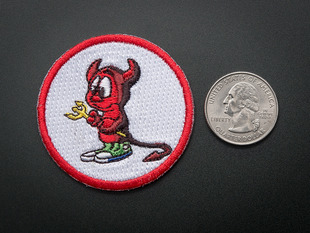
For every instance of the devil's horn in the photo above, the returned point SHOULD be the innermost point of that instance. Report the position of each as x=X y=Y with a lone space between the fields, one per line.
x=132 y=71
x=92 y=69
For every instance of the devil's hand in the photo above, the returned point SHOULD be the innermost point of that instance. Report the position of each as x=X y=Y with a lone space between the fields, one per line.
x=94 y=119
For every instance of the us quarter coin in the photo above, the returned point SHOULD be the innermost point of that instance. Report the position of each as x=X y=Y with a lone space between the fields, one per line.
x=241 y=108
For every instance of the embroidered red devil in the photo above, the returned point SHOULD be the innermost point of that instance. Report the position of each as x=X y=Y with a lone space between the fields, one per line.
x=108 y=92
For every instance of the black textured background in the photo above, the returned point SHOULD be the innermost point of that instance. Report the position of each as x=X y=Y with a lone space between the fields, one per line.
x=215 y=186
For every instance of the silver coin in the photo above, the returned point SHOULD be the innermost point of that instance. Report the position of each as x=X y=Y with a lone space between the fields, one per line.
x=241 y=108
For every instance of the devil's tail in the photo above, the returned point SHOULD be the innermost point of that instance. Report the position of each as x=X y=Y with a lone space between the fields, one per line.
x=155 y=155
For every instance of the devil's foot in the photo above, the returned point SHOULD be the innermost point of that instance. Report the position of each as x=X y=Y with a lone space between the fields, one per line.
x=107 y=158
x=110 y=153
x=88 y=156
x=113 y=152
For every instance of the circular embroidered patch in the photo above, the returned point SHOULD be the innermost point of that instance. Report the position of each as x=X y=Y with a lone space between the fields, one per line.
x=115 y=112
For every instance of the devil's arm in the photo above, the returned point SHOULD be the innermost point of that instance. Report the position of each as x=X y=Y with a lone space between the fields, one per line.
x=111 y=120
x=94 y=118
x=109 y=125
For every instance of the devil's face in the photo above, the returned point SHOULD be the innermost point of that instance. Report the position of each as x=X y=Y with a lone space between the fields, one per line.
x=104 y=89
x=107 y=86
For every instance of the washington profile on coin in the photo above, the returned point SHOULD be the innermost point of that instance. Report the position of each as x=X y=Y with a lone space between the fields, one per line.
x=241 y=108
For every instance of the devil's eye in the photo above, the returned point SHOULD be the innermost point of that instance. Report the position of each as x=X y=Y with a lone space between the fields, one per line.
x=105 y=87
x=96 y=80
x=94 y=83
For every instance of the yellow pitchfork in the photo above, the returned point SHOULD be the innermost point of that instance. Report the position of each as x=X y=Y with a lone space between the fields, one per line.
x=80 y=111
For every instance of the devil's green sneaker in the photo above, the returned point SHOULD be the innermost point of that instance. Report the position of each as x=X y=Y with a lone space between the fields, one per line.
x=113 y=152
x=110 y=152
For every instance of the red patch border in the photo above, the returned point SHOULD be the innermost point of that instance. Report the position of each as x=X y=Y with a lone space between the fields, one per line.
x=139 y=181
